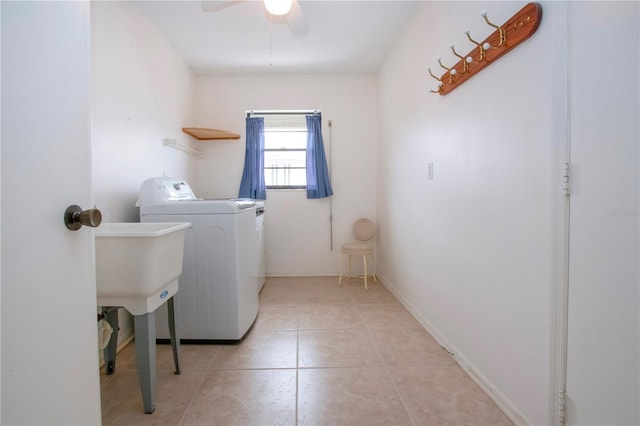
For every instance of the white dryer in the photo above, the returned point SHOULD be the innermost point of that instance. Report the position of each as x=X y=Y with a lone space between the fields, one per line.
x=217 y=297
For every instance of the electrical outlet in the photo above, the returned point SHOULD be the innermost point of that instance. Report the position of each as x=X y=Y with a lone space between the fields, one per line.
x=430 y=170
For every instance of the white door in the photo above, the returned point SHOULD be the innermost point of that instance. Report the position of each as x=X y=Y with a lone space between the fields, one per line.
x=603 y=375
x=49 y=338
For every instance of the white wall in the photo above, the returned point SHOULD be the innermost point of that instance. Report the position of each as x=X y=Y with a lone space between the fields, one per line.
x=142 y=92
x=297 y=230
x=469 y=252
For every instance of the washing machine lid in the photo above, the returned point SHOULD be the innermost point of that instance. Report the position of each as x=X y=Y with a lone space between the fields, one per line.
x=165 y=195
x=192 y=207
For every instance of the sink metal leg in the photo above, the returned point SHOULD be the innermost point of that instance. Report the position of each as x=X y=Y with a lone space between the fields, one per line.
x=145 y=332
x=175 y=339
x=111 y=315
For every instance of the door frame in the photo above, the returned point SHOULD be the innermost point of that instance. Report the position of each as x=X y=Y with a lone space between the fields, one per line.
x=560 y=17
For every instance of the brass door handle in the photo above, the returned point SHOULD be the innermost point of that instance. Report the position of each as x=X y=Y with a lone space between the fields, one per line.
x=75 y=217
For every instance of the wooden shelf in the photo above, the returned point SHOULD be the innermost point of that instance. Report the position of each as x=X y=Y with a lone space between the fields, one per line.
x=209 y=134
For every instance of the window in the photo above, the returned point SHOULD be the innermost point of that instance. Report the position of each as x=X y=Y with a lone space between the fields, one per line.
x=285 y=145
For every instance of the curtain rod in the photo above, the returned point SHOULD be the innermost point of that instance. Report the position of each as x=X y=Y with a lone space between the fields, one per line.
x=273 y=112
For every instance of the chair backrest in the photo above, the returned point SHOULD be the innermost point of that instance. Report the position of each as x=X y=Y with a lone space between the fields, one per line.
x=364 y=229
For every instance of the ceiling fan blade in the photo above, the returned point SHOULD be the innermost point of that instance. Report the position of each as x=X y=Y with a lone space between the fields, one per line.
x=297 y=21
x=214 y=6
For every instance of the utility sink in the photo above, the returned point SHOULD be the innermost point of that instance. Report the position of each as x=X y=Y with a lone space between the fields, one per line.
x=137 y=267
x=138 y=264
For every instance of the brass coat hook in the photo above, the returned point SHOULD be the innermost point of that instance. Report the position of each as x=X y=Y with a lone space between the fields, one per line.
x=452 y=71
x=483 y=47
x=465 y=62
x=429 y=69
x=437 y=79
x=502 y=32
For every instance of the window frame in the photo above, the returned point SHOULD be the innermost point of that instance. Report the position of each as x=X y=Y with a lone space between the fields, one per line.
x=265 y=150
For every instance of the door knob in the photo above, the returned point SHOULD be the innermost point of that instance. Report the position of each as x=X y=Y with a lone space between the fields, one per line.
x=75 y=217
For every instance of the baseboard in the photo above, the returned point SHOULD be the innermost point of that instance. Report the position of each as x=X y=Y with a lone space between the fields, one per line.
x=509 y=409
x=297 y=274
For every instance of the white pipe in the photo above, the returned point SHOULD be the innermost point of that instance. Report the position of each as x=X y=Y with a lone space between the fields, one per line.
x=330 y=179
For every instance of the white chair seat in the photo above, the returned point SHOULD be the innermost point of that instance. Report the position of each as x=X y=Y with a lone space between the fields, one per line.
x=358 y=249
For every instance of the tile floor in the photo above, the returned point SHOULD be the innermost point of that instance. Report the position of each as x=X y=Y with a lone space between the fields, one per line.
x=318 y=354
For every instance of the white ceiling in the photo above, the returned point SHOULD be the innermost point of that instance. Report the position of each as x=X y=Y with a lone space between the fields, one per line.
x=343 y=37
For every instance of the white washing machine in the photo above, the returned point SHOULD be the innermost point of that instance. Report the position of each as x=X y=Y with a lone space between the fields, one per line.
x=217 y=297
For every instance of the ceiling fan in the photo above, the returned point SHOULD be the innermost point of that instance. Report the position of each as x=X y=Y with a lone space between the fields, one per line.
x=278 y=11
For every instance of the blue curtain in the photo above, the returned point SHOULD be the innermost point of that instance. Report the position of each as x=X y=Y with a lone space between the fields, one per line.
x=252 y=183
x=318 y=184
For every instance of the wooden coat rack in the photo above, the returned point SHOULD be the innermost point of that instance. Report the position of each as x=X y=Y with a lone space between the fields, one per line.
x=517 y=29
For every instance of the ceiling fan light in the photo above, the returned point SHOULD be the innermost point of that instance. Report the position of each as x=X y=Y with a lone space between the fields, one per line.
x=278 y=7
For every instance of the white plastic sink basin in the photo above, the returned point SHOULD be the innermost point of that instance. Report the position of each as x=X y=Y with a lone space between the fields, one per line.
x=138 y=264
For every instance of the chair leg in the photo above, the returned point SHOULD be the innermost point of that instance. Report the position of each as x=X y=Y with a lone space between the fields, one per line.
x=374 y=268
x=349 y=266
x=341 y=264
x=364 y=260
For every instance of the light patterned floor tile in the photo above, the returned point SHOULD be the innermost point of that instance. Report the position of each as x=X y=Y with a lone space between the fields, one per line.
x=387 y=316
x=348 y=396
x=122 y=398
x=407 y=347
x=277 y=317
x=329 y=316
x=445 y=395
x=322 y=292
x=280 y=293
x=377 y=294
x=245 y=397
x=337 y=348
x=260 y=349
